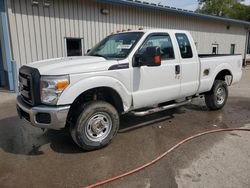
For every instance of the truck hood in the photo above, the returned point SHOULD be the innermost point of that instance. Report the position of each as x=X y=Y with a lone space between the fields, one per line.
x=72 y=65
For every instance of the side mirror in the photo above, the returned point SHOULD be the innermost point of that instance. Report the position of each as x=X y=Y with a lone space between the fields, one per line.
x=153 y=56
x=88 y=51
x=150 y=58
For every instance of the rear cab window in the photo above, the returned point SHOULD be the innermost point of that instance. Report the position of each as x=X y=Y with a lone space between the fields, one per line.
x=184 y=45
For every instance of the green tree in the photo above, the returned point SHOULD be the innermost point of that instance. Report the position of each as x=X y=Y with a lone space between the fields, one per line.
x=239 y=11
x=226 y=8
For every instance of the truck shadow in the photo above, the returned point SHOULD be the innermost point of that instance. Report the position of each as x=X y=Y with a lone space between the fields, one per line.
x=18 y=137
x=130 y=122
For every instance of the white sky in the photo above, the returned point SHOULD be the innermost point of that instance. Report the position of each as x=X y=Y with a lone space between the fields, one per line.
x=184 y=4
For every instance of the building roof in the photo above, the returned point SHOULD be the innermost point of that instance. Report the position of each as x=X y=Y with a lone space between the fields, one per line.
x=179 y=11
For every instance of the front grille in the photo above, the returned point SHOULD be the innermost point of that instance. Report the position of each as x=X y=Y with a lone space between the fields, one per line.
x=25 y=87
x=29 y=85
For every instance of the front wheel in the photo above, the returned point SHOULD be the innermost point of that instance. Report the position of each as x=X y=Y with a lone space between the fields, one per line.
x=96 y=125
x=217 y=97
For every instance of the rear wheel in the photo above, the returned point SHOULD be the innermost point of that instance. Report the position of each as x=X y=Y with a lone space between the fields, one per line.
x=217 y=97
x=96 y=125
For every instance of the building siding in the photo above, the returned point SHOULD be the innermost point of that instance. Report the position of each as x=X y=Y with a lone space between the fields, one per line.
x=39 y=32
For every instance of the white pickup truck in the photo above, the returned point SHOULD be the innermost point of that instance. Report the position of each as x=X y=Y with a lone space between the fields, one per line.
x=138 y=72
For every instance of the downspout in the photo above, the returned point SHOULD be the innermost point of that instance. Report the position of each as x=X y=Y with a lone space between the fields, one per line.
x=246 y=46
x=6 y=46
x=2 y=80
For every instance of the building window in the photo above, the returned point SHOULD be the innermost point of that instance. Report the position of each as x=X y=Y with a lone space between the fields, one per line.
x=184 y=45
x=74 y=47
x=215 y=48
x=232 y=49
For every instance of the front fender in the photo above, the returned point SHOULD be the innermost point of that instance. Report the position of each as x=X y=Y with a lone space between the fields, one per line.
x=76 y=89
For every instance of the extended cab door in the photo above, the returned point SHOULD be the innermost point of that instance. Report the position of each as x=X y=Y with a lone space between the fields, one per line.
x=154 y=85
x=189 y=62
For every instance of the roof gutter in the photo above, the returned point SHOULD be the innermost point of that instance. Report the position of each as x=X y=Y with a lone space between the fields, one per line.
x=153 y=6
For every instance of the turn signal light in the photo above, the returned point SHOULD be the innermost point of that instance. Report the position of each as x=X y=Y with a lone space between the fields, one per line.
x=62 y=85
x=157 y=59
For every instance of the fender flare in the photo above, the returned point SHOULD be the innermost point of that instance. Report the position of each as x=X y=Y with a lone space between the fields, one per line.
x=73 y=91
x=221 y=67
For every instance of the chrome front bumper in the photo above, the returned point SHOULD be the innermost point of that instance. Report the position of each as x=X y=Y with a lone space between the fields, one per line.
x=57 y=115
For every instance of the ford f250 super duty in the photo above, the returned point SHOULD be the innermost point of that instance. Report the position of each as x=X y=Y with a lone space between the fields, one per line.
x=138 y=72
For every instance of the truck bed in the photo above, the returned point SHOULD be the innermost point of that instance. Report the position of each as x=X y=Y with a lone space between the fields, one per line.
x=210 y=64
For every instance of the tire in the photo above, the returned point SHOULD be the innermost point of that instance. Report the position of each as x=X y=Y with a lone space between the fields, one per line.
x=96 y=125
x=217 y=97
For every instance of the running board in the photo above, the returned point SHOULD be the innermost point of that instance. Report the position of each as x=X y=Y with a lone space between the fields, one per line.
x=159 y=109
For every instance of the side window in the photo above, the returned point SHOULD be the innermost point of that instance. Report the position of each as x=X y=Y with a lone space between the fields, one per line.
x=184 y=45
x=162 y=41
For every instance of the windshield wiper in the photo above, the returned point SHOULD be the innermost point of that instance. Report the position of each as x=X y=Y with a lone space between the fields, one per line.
x=99 y=55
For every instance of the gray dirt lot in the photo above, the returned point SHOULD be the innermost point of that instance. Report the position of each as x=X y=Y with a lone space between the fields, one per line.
x=30 y=157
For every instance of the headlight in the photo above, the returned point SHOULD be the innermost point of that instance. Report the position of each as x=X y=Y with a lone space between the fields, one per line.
x=52 y=87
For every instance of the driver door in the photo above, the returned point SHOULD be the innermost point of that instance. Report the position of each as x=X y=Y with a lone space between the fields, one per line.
x=154 y=85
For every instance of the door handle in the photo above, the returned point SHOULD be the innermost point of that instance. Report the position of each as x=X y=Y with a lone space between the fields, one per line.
x=177 y=69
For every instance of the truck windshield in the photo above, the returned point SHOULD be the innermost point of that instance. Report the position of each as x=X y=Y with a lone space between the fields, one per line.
x=116 y=46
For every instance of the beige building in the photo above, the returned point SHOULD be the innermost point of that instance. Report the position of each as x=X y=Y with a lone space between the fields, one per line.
x=32 y=30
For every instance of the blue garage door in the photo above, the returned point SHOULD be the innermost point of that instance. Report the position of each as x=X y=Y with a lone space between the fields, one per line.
x=6 y=65
x=2 y=77
x=248 y=46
